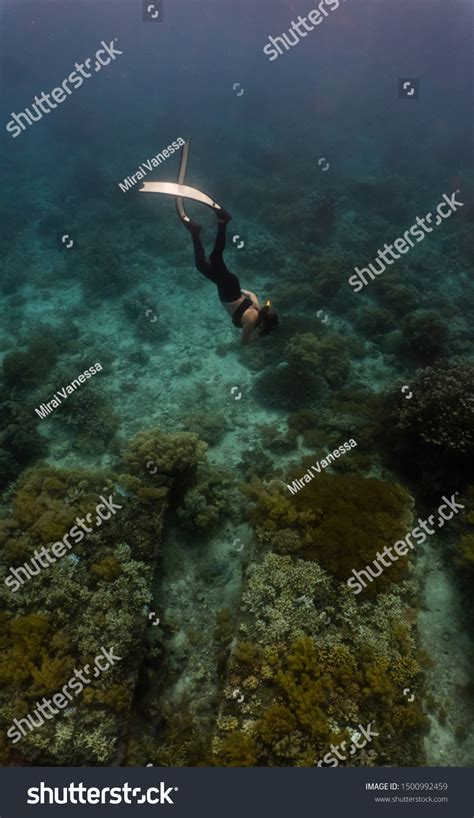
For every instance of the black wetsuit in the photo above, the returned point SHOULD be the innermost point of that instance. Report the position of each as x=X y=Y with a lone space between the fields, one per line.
x=215 y=269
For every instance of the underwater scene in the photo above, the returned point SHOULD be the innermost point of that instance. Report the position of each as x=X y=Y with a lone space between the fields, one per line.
x=236 y=384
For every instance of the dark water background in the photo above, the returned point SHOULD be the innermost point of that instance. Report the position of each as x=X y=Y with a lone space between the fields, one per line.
x=334 y=95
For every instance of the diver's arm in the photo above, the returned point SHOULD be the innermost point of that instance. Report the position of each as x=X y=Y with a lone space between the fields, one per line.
x=252 y=297
x=246 y=333
x=249 y=322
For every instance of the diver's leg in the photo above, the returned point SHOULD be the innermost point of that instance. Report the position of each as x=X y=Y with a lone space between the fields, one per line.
x=219 y=245
x=227 y=283
x=200 y=260
x=202 y=264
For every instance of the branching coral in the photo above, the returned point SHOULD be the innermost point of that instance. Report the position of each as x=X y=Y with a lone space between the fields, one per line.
x=167 y=454
x=93 y=596
x=90 y=413
x=204 y=503
x=316 y=694
x=440 y=414
x=285 y=598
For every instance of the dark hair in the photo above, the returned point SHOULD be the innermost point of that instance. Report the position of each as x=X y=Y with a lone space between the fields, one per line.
x=269 y=319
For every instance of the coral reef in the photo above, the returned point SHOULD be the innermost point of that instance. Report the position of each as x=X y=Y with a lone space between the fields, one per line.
x=20 y=442
x=439 y=418
x=341 y=521
x=307 y=697
x=426 y=335
x=28 y=368
x=90 y=414
x=283 y=387
x=210 y=426
x=203 y=505
x=167 y=455
x=313 y=663
x=326 y=355
x=63 y=614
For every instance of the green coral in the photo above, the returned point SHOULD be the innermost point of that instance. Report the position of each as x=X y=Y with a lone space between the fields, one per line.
x=28 y=368
x=167 y=454
x=204 y=504
x=20 y=442
x=426 y=335
x=341 y=521
x=236 y=750
x=283 y=387
x=60 y=618
x=326 y=355
x=317 y=693
x=210 y=426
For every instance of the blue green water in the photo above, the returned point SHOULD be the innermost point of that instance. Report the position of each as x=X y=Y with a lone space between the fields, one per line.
x=322 y=158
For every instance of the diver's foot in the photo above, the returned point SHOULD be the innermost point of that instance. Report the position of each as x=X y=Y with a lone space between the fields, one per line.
x=223 y=216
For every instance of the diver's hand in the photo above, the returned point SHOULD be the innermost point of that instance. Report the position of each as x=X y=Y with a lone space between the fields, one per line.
x=252 y=297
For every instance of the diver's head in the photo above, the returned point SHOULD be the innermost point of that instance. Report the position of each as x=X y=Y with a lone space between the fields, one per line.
x=268 y=320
